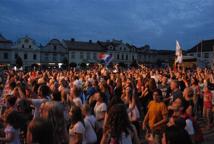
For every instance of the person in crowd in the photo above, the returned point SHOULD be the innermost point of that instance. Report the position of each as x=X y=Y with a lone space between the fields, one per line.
x=164 y=87
x=77 y=130
x=133 y=111
x=43 y=96
x=10 y=106
x=99 y=105
x=100 y=110
x=118 y=128
x=175 y=91
x=40 y=131
x=90 y=125
x=12 y=133
x=75 y=96
x=175 y=133
x=54 y=113
x=156 y=116
x=207 y=110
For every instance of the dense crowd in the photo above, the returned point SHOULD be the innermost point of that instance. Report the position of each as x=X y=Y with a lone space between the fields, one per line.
x=102 y=106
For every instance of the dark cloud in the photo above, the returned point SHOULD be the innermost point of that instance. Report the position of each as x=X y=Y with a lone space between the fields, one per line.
x=158 y=23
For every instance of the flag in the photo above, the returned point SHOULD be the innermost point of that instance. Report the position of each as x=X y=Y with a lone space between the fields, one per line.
x=106 y=57
x=178 y=53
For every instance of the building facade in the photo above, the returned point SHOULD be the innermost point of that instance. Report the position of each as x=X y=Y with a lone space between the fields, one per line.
x=83 y=52
x=203 y=52
x=53 y=53
x=5 y=51
x=27 y=49
x=57 y=52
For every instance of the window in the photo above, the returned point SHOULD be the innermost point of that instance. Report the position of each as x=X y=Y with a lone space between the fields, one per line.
x=5 y=55
x=132 y=57
x=29 y=46
x=34 y=56
x=54 y=57
x=81 y=55
x=26 y=40
x=206 y=55
x=95 y=56
x=54 y=47
x=127 y=57
x=46 y=57
x=72 y=55
x=199 y=55
x=118 y=56
x=191 y=54
x=122 y=57
x=88 y=55
x=25 y=56
x=23 y=46
x=16 y=55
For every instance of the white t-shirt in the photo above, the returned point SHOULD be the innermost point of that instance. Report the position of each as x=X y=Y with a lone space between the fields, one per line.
x=77 y=101
x=133 y=114
x=37 y=103
x=189 y=127
x=9 y=129
x=78 y=129
x=90 y=134
x=99 y=108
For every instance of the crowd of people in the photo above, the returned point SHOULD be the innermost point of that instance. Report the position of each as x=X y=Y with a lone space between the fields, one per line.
x=102 y=106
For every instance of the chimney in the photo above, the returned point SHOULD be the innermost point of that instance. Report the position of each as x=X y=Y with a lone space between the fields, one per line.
x=90 y=41
x=72 y=39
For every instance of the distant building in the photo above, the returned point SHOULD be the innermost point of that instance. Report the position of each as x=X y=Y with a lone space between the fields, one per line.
x=5 y=51
x=53 y=53
x=83 y=52
x=203 y=52
x=121 y=52
x=27 y=49
x=57 y=52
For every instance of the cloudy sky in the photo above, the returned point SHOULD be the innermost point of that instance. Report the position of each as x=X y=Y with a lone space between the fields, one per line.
x=155 y=22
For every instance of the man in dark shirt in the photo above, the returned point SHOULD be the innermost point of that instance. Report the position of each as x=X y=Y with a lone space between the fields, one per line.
x=175 y=91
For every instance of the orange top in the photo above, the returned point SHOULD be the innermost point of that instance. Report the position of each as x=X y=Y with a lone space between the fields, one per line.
x=156 y=112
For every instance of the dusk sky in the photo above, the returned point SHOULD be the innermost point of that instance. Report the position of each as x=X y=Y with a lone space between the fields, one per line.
x=155 y=22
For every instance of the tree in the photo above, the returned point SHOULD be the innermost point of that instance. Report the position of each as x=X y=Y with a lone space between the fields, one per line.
x=19 y=62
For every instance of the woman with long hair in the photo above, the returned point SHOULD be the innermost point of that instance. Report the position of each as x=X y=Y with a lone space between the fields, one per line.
x=54 y=113
x=77 y=127
x=118 y=128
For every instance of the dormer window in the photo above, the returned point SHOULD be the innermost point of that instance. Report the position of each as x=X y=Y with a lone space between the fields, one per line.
x=26 y=40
